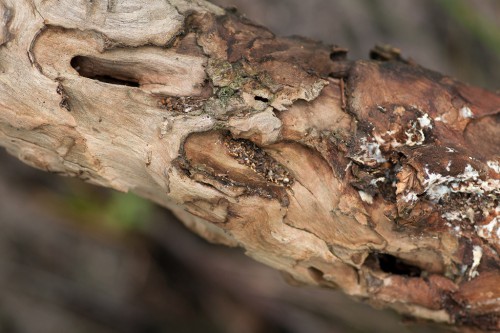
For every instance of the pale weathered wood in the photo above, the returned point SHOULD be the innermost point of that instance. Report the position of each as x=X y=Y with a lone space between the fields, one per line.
x=377 y=177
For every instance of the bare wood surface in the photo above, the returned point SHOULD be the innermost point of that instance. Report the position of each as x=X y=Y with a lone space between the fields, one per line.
x=377 y=177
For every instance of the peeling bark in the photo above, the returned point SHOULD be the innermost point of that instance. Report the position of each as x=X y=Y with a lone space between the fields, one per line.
x=378 y=177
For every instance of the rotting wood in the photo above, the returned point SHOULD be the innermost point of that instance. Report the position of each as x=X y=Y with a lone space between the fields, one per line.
x=380 y=178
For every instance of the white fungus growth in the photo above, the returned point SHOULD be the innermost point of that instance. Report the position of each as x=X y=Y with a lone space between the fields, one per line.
x=414 y=136
x=469 y=173
x=493 y=165
x=437 y=192
x=452 y=216
x=448 y=166
x=441 y=119
x=425 y=121
x=370 y=152
x=366 y=197
x=376 y=180
x=466 y=112
x=410 y=197
x=450 y=150
x=477 y=254
x=438 y=186
x=394 y=143
x=490 y=230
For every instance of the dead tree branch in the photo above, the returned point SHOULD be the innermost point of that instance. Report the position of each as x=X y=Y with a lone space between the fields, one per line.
x=378 y=177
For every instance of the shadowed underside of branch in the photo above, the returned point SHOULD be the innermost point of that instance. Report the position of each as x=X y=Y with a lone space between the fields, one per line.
x=379 y=177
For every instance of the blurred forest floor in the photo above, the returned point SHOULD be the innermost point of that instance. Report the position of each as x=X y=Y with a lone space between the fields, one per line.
x=77 y=258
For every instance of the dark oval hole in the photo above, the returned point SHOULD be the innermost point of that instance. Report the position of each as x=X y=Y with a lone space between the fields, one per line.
x=338 y=53
x=316 y=274
x=262 y=99
x=391 y=264
x=102 y=71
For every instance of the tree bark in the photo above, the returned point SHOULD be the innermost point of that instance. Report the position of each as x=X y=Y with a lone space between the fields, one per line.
x=378 y=177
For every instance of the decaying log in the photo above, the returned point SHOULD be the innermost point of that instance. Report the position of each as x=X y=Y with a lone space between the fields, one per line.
x=378 y=177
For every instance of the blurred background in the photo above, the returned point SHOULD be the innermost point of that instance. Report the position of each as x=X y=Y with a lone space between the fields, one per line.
x=75 y=258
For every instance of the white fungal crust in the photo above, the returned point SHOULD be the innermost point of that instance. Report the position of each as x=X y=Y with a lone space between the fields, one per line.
x=424 y=150
x=438 y=186
x=411 y=135
x=466 y=200
x=494 y=165
x=369 y=153
x=491 y=231
x=466 y=112
x=425 y=121
x=366 y=197
x=477 y=254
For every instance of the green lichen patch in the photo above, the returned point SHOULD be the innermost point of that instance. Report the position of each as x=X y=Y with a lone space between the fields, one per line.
x=225 y=74
x=225 y=93
x=220 y=72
